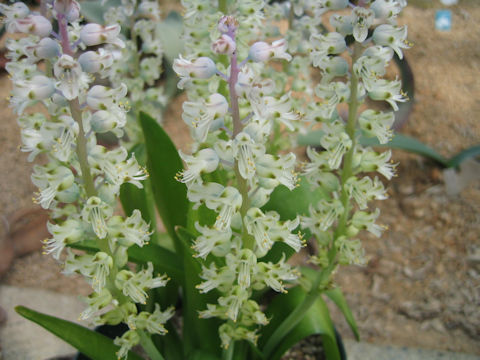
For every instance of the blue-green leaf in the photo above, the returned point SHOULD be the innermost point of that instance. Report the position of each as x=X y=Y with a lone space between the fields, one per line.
x=455 y=161
x=94 y=345
x=163 y=163
x=336 y=295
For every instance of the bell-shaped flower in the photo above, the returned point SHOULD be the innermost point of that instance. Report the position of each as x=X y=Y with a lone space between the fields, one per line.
x=363 y=220
x=246 y=151
x=128 y=340
x=96 y=267
x=246 y=261
x=51 y=180
x=129 y=231
x=214 y=278
x=276 y=170
x=258 y=225
x=274 y=275
x=283 y=232
x=342 y=24
x=378 y=124
x=373 y=161
x=71 y=79
x=233 y=302
x=229 y=333
x=227 y=205
x=150 y=8
x=362 y=20
x=389 y=91
x=252 y=87
x=336 y=141
x=332 y=43
x=31 y=24
x=322 y=6
x=204 y=161
x=153 y=322
x=99 y=61
x=281 y=110
x=96 y=212
x=47 y=48
x=252 y=315
x=331 y=94
x=200 y=68
x=27 y=92
x=212 y=241
x=262 y=51
x=95 y=34
x=202 y=115
x=331 y=67
x=66 y=233
x=350 y=252
x=224 y=45
x=103 y=98
x=13 y=12
x=365 y=189
x=392 y=36
x=387 y=10
x=322 y=215
x=135 y=285
x=96 y=301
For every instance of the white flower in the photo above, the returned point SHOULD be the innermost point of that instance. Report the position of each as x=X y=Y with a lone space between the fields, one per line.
x=68 y=232
x=135 y=285
x=336 y=141
x=95 y=34
x=71 y=79
x=27 y=92
x=70 y=8
x=212 y=241
x=387 y=10
x=96 y=212
x=377 y=123
x=364 y=190
x=202 y=114
x=129 y=231
x=261 y=51
x=51 y=180
x=362 y=20
x=100 y=62
x=47 y=48
x=366 y=221
x=203 y=162
x=200 y=68
x=13 y=12
x=128 y=340
x=31 y=24
x=389 y=91
x=392 y=36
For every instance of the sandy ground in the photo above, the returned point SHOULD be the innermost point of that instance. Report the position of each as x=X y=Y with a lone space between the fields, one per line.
x=421 y=287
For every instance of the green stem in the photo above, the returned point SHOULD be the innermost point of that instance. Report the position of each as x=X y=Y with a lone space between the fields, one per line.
x=323 y=276
x=81 y=149
x=149 y=346
x=227 y=354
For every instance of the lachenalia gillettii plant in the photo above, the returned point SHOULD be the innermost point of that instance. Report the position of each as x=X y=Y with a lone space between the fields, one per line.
x=342 y=166
x=230 y=136
x=80 y=181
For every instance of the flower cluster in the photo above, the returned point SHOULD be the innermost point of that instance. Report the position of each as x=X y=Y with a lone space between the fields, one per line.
x=81 y=179
x=231 y=130
x=341 y=165
x=139 y=63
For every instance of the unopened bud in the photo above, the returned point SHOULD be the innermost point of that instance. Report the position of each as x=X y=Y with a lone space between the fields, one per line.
x=95 y=34
x=70 y=8
x=227 y=24
x=224 y=45
x=261 y=51
x=32 y=24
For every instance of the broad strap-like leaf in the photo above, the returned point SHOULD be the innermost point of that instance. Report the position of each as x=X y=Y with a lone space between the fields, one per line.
x=336 y=295
x=316 y=321
x=163 y=163
x=198 y=334
x=456 y=160
x=94 y=345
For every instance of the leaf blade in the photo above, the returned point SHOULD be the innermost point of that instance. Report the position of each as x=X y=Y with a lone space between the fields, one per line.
x=92 y=344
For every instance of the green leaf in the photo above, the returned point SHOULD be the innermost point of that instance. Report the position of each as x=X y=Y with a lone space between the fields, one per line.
x=289 y=204
x=455 y=161
x=162 y=259
x=194 y=301
x=337 y=297
x=94 y=345
x=163 y=163
x=316 y=321
x=407 y=143
x=203 y=355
